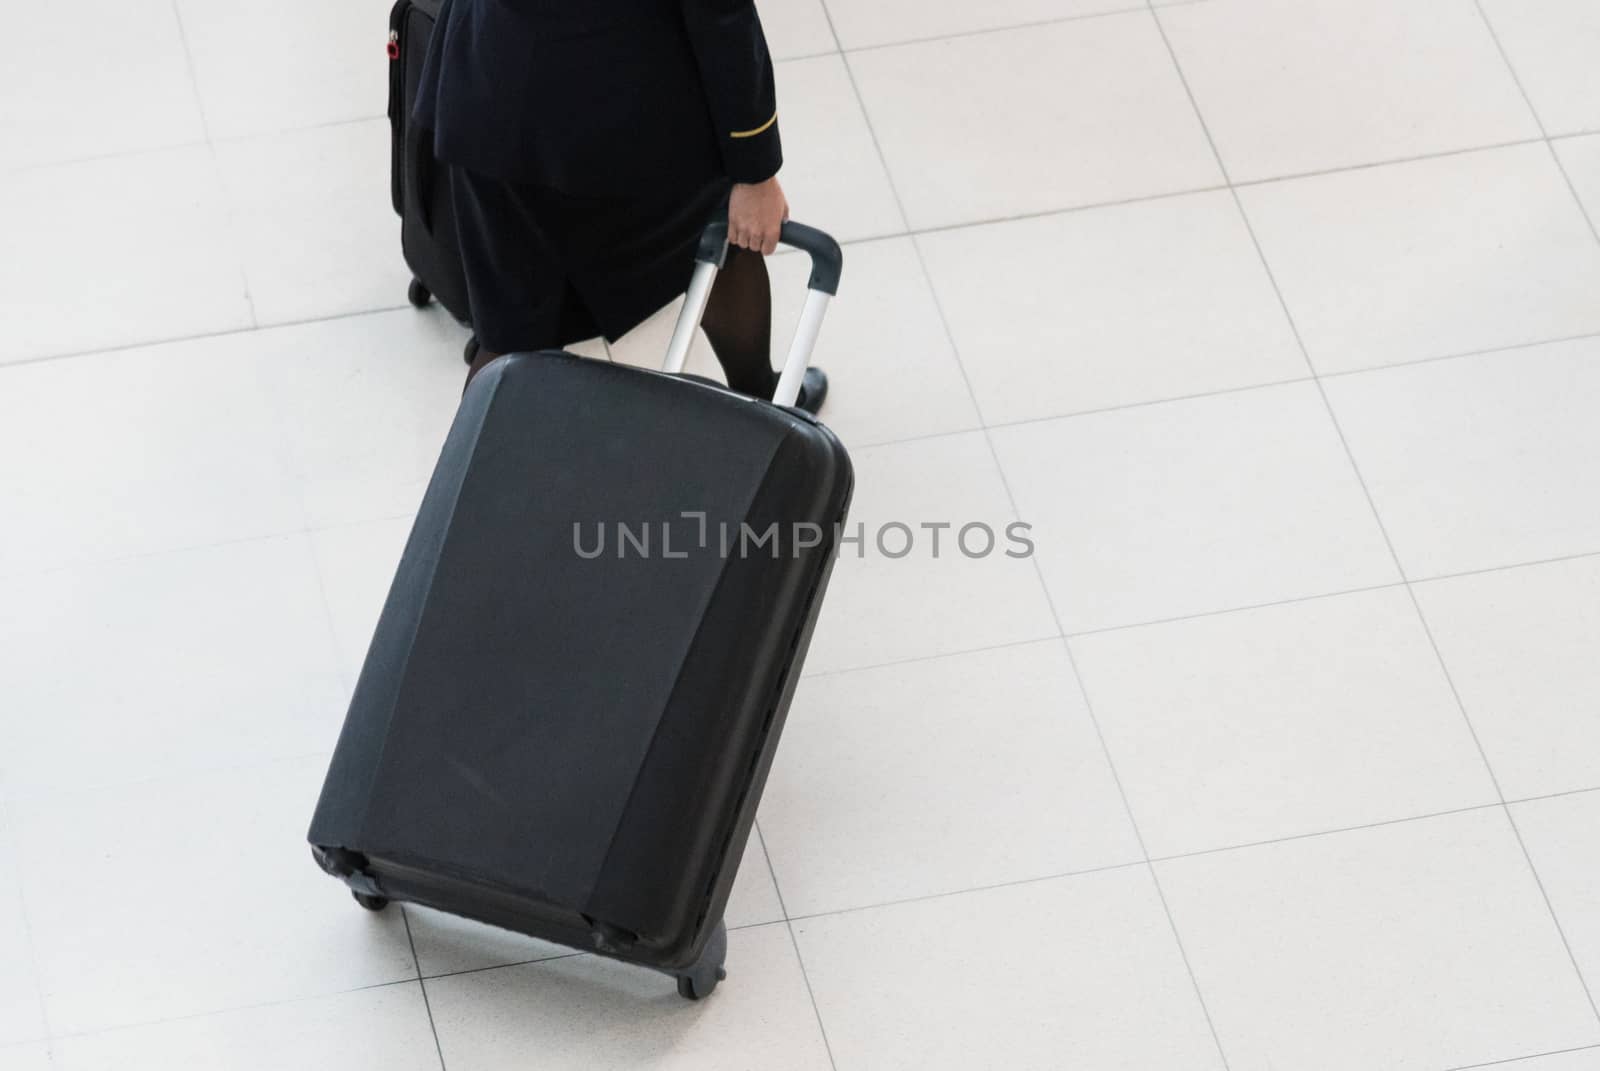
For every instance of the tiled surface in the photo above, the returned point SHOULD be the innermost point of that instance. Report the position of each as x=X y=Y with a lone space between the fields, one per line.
x=314 y=221
x=361 y=405
x=1242 y=728
x=1290 y=88
x=311 y=63
x=1430 y=259
x=1353 y=949
x=1078 y=972
x=1552 y=45
x=148 y=450
x=216 y=422
x=1192 y=507
x=905 y=591
x=796 y=27
x=936 y=799
x=1481 y=462
x=1095 y=309
x=219 y=659
x=1520 y=646
x=1045 y=118
x=117 y=251
x=137 y=94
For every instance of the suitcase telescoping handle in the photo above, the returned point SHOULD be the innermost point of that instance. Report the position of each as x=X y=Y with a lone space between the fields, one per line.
x=827 y=263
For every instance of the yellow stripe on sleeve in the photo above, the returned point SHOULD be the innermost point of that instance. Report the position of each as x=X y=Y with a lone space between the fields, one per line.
x=762 y=129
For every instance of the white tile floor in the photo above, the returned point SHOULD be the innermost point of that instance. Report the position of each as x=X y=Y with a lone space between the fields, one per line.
x=1279 y=320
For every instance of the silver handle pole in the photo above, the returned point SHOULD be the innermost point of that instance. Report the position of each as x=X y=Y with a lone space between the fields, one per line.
x=694 y=308
x=805 y=340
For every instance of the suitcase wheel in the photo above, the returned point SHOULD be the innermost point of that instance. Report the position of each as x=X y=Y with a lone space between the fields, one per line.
x=469 y=353
x=371 y=903
x=418 y=294
x=702 y=977
x=693 y=988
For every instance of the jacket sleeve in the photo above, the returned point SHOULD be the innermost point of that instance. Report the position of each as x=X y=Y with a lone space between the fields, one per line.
x=736 y=71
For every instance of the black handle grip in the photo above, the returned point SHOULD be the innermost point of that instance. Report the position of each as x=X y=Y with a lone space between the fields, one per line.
x=827 y=259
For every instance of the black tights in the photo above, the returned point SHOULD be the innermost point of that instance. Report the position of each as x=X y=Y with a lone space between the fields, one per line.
x=738 y=321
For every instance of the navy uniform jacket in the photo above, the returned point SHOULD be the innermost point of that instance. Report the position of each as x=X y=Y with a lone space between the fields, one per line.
x=603 y=97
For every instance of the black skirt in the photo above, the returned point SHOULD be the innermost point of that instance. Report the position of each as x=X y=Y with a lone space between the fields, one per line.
x=546 y=269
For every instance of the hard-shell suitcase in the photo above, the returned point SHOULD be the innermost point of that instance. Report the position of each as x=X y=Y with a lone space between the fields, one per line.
x=576 y=686
x=419 y=184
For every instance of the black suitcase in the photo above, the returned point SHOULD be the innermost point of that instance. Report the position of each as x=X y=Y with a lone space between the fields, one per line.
x=419 y=184
x=576 y=686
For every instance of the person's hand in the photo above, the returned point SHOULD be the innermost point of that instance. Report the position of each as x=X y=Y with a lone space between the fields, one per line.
x=756 y=214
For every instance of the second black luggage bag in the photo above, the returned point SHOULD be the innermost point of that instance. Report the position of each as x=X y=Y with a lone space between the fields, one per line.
x=419 y=184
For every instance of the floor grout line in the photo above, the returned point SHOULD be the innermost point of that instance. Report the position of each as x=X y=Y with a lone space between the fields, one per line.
x=794 y=942
x=422 y=983
x=1560 y=794
x=945 y=894
x=1519 y=1059
x=1393 y=161
x=1134 y=7
x=231 y=1009
x=201 y=336
x=568 y=953
x=936 y=657
x=816 y=1008
x=19 y=170
x=1488 y=351
x=31 y=950
x=1317 y=834
x=772 y=872
x=216 y=161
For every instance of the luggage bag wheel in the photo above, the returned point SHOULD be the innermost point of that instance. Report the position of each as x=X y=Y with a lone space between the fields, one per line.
x=419 y=294
x=371 y=903
x=698 y=981
x=470 y=352
x=690 y=989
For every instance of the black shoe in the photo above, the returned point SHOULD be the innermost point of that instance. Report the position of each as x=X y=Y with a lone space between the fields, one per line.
x=813 y=391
